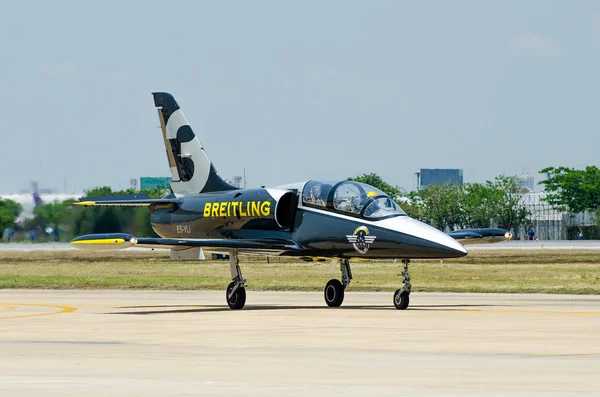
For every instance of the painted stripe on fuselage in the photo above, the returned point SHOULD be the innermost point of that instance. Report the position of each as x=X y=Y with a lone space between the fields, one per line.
x=401 y=224
x=323 y=235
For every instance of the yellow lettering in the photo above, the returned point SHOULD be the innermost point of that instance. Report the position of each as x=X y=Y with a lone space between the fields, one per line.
x=255 y=208
x=265 y=208
x=237 y=208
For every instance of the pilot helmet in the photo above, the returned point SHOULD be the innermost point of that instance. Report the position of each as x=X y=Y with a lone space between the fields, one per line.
x=356 y=201
x=316 y=190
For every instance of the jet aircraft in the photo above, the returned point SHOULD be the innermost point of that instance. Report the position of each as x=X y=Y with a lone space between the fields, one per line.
x=338 y=220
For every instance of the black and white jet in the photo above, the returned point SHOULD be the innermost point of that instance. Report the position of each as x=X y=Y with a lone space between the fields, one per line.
x=314 y=220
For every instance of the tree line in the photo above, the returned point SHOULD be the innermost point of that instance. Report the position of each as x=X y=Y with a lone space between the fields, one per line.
x=497 y=203
x=67 y=220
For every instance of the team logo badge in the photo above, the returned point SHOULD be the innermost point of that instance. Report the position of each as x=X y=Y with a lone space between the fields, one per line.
x=361 y=241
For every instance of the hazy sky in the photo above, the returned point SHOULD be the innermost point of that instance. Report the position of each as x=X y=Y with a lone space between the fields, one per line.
x=298 y=90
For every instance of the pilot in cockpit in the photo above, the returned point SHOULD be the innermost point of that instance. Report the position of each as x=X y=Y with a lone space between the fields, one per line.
x=314 y=196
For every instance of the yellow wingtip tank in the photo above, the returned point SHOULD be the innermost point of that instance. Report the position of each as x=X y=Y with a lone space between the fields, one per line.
x=95 y=242
x=85 y=203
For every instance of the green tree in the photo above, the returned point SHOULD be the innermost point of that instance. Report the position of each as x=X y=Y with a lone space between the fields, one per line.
x=509 y=208
x=413 y=208
x=474 y=205
x=73 y=220
x=133 y=220
x=438 y=205
x=9 y=212
x=572 y=190
x=50 y=214
x=495 y=203
x=479 y=205
x=157 y=192
x=376 y=181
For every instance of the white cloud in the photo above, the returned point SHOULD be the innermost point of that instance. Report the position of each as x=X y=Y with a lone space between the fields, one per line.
x=65 y=69
x=531 y=43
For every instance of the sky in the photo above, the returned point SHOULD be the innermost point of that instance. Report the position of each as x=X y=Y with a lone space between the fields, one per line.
x=291 y=91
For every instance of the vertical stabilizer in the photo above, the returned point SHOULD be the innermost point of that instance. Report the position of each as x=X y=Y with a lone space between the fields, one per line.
x=192 y=172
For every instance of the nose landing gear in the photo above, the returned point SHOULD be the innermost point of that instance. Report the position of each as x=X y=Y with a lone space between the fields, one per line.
x=402 y=295
x=334 y=289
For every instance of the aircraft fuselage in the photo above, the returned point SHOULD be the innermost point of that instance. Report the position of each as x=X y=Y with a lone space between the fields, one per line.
x=321 y=232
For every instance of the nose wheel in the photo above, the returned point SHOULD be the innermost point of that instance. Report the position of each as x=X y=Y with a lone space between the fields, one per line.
x=334 y=289
x=402 y=295
x=334 y=293
x=401 y=299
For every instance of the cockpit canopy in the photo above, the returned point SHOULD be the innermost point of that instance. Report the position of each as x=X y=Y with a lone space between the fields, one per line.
x=351 y=198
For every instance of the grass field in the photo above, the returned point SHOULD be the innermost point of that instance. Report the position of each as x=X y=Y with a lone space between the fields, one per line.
x=576 y=272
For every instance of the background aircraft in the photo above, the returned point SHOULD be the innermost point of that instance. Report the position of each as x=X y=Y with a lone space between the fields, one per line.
x=340 y=220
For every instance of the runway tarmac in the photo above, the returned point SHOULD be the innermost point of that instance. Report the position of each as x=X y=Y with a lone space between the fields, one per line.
x=164 y=343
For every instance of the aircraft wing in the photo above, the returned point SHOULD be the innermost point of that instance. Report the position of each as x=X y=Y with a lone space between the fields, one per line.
x=130 y=200
x=480 y=236
x=115 y=241
x=259 y=244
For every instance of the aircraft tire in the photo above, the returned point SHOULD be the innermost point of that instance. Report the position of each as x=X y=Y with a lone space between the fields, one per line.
x=238 y=300
x=401 y=299
x=334 y=293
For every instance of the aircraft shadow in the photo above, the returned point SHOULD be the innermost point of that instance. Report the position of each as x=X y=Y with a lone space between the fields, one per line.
x=182 y=309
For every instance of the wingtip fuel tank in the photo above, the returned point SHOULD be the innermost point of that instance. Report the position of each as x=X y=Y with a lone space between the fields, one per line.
x=104 y=242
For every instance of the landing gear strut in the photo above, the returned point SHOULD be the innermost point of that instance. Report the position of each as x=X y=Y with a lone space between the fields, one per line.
x=236 y=293
x=401 y=296
x=334 y=290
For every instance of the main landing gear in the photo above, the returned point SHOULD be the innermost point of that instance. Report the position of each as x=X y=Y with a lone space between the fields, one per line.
x=401 y=296
x=334 y=289
x=236 y=292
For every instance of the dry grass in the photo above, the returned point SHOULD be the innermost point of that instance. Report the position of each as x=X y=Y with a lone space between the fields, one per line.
x=518 y=271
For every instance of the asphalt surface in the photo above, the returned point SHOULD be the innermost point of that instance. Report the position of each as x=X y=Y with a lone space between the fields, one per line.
x=164 y=343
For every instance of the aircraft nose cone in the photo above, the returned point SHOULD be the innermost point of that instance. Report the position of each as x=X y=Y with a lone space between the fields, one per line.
x=453 y=248
x=450 y=244
x=424 y=241
x=442 y=245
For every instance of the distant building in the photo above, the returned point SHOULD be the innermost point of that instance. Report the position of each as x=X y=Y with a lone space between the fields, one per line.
x=149 y=182
x=439 y=176
x=547 y=222
x=527 y=181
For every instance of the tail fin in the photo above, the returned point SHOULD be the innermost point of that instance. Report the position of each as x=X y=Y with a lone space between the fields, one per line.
x=192 y=171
